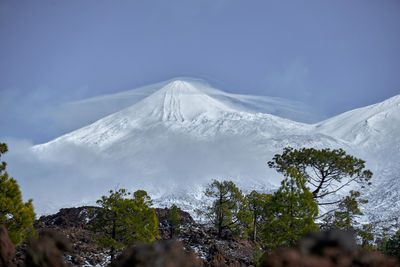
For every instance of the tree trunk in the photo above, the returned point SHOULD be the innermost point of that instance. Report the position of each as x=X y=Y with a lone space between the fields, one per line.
x=220 y=217
x=316 y=191
x=220 y=225
x=255 y=228
x=113 y=234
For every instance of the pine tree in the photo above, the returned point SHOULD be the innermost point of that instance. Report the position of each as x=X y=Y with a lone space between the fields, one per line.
x=256 y=203
x=348 y=210
x=124 y=221
x=291 y=212
x=173 y=220
x=393 y=245
x=146 y=228
x=257 y=254
x=367 y=236
x=244 y=220
x=18 y=217
x=226 y=209
x=326 y=171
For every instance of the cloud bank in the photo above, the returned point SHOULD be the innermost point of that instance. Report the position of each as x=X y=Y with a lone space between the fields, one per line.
x=70 y=175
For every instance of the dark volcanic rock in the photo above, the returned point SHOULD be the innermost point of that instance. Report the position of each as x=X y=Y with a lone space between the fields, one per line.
x=327 y=249
x=330 y=257
x=158 y=254
x=185 y=219
x=6 y=248
x=200 y=239
x=217 y=257
x=69 y=217
x=201 y=247
x=47 y=250
x=74 y=224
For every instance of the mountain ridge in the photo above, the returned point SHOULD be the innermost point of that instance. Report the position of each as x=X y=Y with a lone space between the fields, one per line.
x=364 y=120
x=183 y=135
x=177 y=102
x=80 y=113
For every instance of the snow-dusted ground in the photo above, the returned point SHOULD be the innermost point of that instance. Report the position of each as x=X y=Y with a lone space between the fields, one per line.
x=177 y=137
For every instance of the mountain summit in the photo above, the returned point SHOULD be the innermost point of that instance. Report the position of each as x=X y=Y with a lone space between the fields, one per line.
x=181 y=100
x=183 y=133
x=81 y=113
x=180 y=106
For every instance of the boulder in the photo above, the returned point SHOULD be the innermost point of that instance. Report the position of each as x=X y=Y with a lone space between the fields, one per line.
x=6 y=248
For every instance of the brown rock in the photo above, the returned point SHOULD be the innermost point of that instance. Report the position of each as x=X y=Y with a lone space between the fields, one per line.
x=326 y=249
x=217 y=257
x=6 y=248
x=78 y=260
x=47 y=250
x=159 y=254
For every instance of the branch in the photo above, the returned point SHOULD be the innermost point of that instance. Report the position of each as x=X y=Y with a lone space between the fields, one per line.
x=319 y=217
x=330 y=203
x=339 y=187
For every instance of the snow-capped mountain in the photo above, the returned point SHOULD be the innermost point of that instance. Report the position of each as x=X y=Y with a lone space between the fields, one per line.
x=174 y=140
x=373 y=125
x=181 y=107
x=374 y=132
x=81 y=113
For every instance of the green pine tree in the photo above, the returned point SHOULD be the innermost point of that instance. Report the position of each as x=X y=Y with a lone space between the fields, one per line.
x=367 y=236
x=257 y=253
x=173 y=220
x=345 y=217
x=226 y=210
x=291 y=212
x=393 y=245
x=18 y=217
x=244 y=220
x=124 y=221
x=326 y=171
x=382 y=240
x=256 y=204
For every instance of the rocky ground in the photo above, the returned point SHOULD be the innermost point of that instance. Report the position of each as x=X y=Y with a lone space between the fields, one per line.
x=73 y=227
x=65 y=239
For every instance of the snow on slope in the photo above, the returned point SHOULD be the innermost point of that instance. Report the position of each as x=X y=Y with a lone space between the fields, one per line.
x=78 y=114
x=375 y=124
x=175 y=140
x=374 y=134
x=181 y=106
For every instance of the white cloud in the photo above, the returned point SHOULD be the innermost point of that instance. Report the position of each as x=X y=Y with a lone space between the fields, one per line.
x=70 y=175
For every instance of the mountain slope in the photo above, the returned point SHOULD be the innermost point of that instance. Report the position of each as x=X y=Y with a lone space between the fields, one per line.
x=81 y=113
x=378 y=123
x=182 y=107
x=373 y=134
x=179 y=137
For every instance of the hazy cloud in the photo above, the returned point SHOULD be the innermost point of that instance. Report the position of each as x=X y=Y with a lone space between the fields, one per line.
x=70 y=175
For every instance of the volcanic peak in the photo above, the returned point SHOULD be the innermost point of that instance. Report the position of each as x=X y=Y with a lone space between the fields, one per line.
x=181 y=100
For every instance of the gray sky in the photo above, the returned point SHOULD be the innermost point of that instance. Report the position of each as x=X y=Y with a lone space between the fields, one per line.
x=332 y=55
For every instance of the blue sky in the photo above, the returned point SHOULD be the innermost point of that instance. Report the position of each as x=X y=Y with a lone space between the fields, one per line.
x=332 y=55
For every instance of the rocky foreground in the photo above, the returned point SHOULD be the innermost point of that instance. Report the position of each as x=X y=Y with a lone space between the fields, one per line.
x=73 y=226
x=65 y=239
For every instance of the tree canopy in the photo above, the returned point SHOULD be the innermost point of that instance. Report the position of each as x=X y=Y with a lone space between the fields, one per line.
x=257 y=203
x=348 y=210
x=291 y=212
x=17 y=216
x=173 y=220
x=393 y=245
x=225 y=211
x=326 y=171
x=124 y=221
